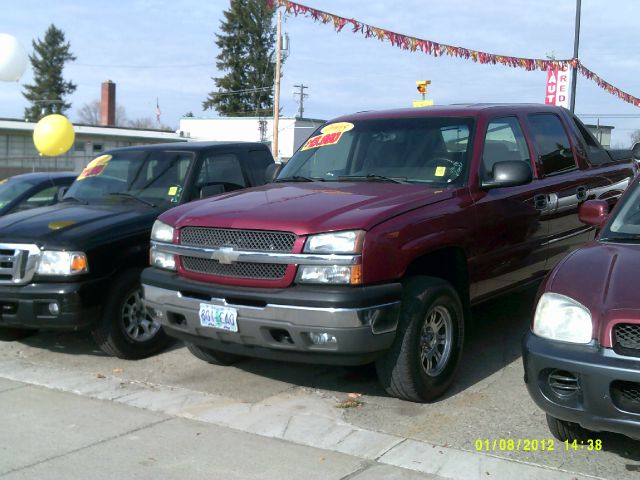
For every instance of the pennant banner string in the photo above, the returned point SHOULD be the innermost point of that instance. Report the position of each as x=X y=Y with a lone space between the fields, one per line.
x=437 y=49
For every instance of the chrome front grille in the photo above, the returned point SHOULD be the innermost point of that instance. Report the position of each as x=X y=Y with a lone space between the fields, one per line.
x=245 y=240
x=17 y=263
x=257 y=240
x=258 y=271
x=627 y=336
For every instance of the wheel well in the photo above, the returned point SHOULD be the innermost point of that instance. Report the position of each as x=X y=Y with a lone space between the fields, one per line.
x=450 y=264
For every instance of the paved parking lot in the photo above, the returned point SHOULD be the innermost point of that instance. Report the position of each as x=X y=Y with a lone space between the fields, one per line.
x=488 y=401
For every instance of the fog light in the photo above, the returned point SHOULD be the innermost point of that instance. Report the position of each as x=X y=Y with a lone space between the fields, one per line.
x=322 y=338
x=155 y=314
x=54 y=308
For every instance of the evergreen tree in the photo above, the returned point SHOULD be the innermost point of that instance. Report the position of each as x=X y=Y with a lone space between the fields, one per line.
x=49 y=87
x=247 y=46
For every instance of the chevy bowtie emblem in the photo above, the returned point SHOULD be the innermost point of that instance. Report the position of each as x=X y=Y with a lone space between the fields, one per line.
x=225 y=255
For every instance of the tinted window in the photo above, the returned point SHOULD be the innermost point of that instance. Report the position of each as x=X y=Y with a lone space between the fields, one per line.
x=626 y=221
x=155 y=176
x=597 y=154
x=421 y=150
x=41 y=198
x=11 y=188
x=221 y=168
x=259 y=169
x=504 y=141
x=552 y=143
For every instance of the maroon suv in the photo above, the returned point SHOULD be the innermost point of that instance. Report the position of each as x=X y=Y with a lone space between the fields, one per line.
x=582 y=358
x=377 y=237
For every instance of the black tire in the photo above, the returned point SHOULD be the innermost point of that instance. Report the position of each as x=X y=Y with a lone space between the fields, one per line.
x=124 y=330
x=213 y=357
x=9 y=334
x=568 y=431
x=410 y=369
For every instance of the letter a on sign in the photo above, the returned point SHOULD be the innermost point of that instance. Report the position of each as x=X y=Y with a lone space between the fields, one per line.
x=557 y=84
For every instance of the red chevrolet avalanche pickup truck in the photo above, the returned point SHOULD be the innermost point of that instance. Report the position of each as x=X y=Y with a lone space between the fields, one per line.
x=377 y=237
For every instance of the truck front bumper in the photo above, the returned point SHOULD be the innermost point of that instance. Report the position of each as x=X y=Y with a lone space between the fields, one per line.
x=279 y=323
x=584 y=384
x=29 y=306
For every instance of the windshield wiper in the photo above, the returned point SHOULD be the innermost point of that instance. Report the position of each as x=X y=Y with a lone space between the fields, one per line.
x=128 y=195
x=74 y=199
x=372 y=178
x=299 y=178
x=629 y=238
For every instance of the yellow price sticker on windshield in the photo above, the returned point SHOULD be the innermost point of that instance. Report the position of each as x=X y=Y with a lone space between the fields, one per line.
x=322 y=140
x=337 y=127
x=440 y=171
x=172 y=191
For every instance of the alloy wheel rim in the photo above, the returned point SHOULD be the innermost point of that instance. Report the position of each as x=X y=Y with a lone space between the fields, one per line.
x=137 y=323
x=435 y=341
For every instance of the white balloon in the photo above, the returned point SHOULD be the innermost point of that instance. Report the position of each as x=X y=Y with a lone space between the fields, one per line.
x=13 y=58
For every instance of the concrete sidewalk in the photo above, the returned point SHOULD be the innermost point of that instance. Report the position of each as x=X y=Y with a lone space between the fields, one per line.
x=51 y=434
x=60 y=423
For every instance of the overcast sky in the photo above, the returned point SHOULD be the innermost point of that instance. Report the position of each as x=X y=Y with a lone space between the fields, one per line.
x=166 y=50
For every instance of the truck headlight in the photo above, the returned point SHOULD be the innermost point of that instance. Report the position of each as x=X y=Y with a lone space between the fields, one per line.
x=62 y=263
x=162 y=232
x=561 y=318
x=336 y=242
x=162 y=259
x=334 y=274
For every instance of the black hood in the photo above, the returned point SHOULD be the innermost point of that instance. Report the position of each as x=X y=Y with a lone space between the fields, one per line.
x=74 y=226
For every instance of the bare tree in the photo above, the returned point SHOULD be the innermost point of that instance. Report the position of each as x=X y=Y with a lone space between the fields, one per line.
x=89 y=114
x=148 y=123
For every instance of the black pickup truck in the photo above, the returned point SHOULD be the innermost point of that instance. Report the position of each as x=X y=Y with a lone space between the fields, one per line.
x=77 y=264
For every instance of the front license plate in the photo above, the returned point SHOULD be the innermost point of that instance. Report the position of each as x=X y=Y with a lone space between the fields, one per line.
x=213 y=316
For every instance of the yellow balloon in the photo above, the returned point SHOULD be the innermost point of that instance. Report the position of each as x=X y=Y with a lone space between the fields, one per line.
x=53 y=135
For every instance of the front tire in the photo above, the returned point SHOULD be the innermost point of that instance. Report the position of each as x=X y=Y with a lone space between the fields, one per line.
x=567 y=431
x=422 y=362
x=124 y=329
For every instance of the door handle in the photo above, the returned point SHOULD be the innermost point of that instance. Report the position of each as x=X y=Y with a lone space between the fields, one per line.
x=582 y=193
x=541 y=201
x=546 y=202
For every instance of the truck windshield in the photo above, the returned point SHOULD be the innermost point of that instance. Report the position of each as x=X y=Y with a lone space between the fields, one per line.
x=11 y=188
x=417 y=150
x=625 y=225
x=154 y=177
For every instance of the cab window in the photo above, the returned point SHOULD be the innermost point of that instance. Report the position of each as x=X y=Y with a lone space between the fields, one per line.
x=504 y=141
x=552 y=143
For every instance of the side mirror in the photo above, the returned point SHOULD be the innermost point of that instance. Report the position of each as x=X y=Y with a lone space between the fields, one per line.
x=211 y=190
x=594 y=212
x=636 y=150
x=60 y=194
x=510 y=173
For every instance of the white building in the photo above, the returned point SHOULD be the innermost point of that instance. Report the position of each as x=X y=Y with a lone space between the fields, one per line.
x=292 y=131
x=18 y=153
x=602 y=133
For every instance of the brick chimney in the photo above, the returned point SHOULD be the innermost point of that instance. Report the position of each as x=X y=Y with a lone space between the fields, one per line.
x=108 y=104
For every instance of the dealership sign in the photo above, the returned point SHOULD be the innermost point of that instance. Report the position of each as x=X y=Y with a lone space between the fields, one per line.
x=557 y=87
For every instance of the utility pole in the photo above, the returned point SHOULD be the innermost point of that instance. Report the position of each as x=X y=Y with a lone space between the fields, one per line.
x=276 y=96
x=576 y=43
x=302 y=96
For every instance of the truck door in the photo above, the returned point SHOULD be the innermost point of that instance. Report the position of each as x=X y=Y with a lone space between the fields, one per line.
x=511 y=227
x=568 y=183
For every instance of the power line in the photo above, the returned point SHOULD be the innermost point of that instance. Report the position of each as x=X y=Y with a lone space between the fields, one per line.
x=301 y=96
